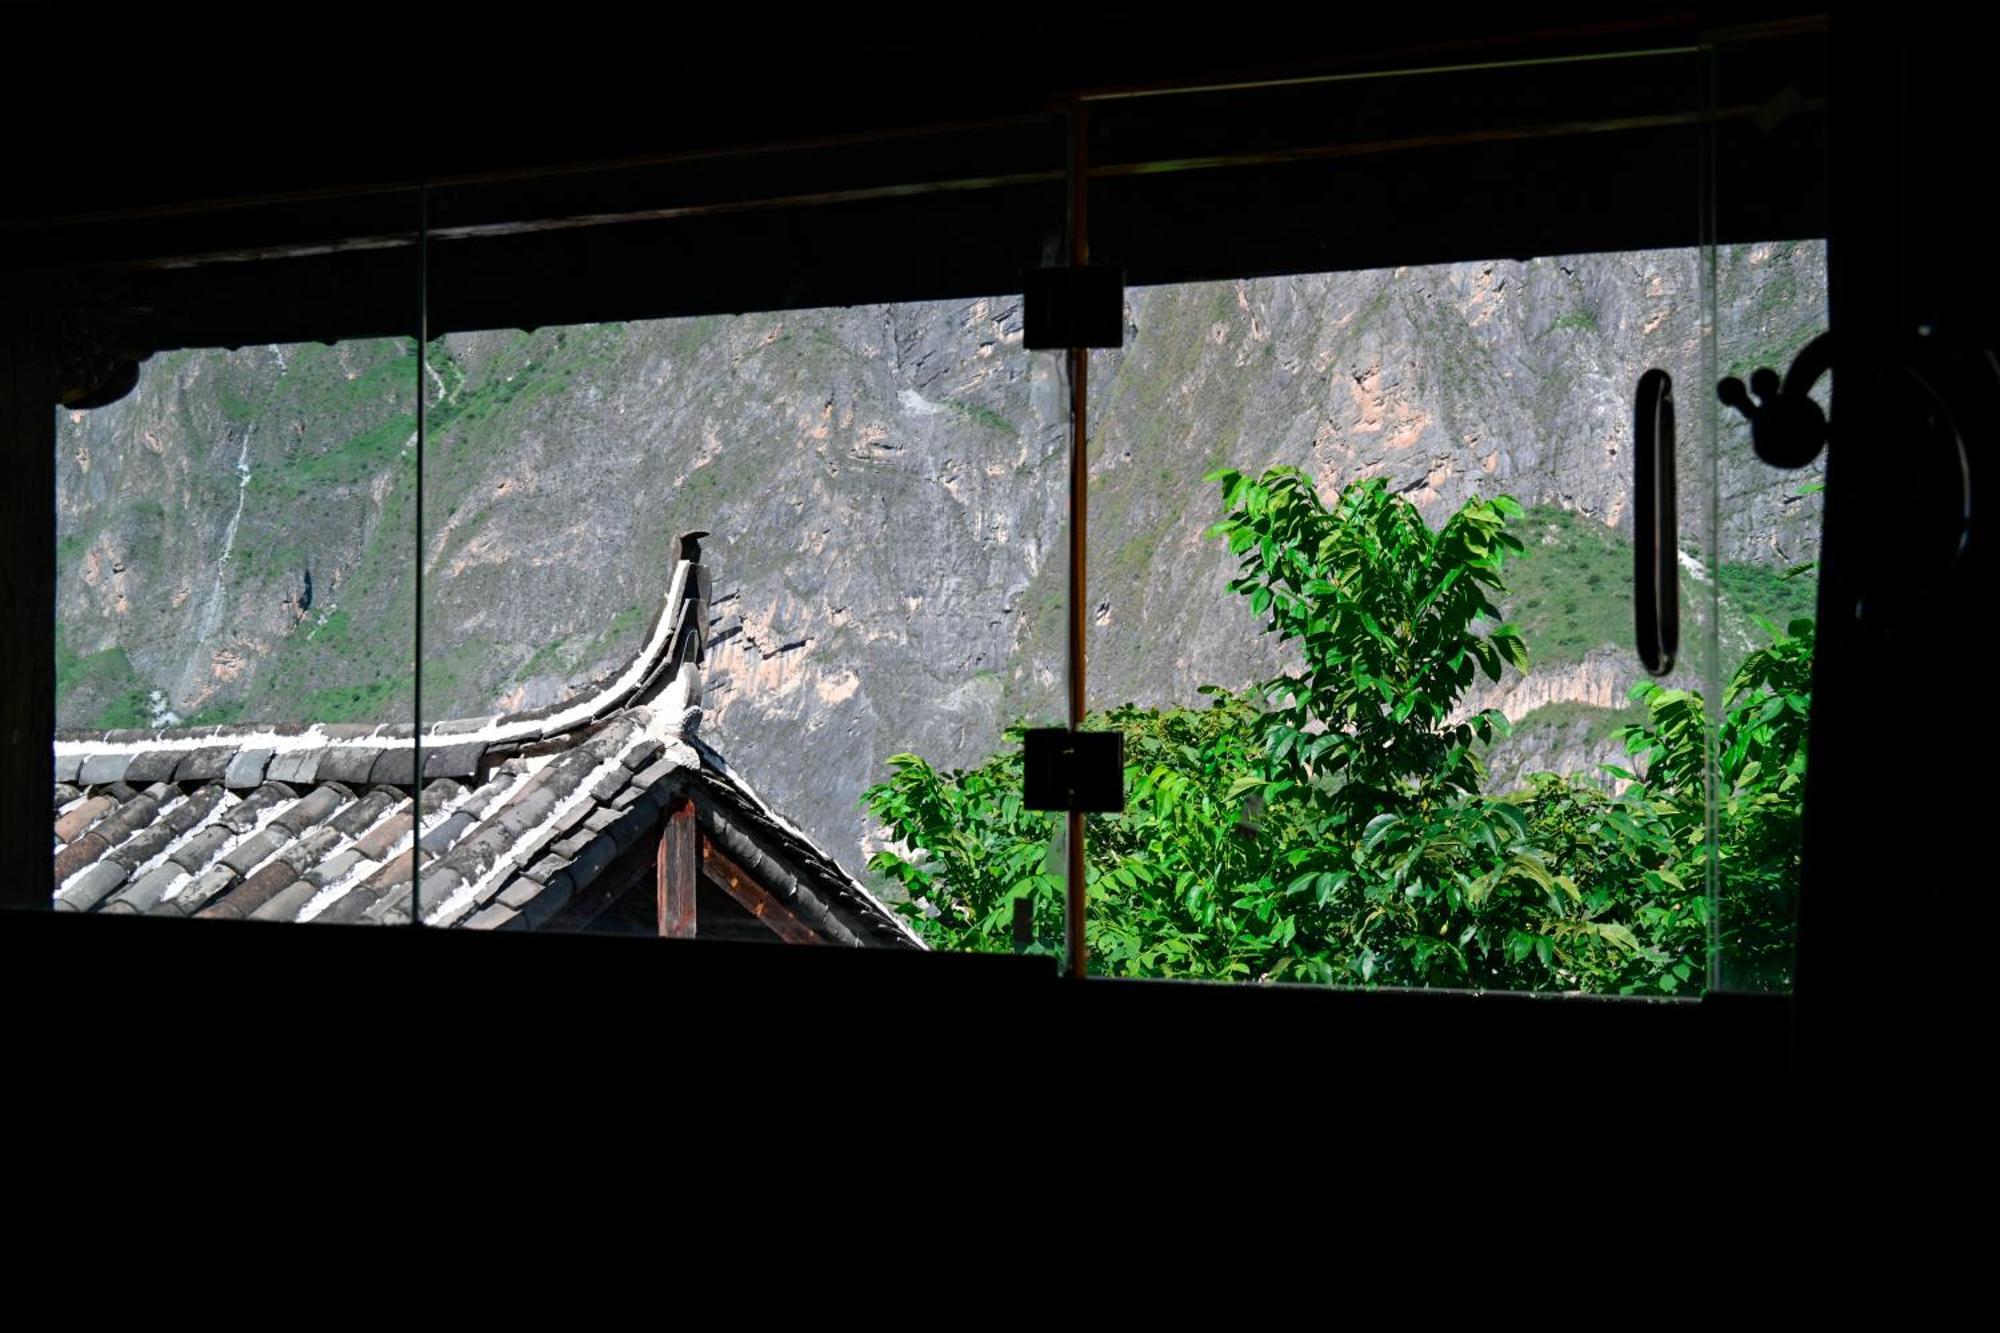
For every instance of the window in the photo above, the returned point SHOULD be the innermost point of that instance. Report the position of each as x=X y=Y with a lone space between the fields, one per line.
x=608 y=607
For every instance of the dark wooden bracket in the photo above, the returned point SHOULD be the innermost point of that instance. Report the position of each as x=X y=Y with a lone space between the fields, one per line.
x=679 y=870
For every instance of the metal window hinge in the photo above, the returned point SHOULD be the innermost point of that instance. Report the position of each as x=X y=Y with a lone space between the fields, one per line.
x=1073 y=307
x=1073 y=770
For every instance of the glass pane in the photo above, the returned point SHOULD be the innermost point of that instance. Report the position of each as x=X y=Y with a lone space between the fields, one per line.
x=1361 y=560
x=236 y=544
x=1770 y=294
x=699 y=594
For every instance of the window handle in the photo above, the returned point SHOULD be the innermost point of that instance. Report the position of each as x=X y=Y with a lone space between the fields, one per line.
x=1656 y=571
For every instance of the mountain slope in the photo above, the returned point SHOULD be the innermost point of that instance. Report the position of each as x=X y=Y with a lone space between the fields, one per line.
x=884 y=486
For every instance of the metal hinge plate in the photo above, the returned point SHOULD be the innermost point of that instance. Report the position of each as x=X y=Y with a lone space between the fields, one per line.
x=1073 y=770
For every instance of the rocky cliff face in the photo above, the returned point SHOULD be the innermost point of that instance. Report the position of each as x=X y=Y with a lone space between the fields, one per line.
x=884 y=486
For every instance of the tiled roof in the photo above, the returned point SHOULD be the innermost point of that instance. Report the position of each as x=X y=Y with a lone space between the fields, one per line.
x=515 y=818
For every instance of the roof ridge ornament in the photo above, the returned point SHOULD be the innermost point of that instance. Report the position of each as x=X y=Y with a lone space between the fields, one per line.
x=673 y=685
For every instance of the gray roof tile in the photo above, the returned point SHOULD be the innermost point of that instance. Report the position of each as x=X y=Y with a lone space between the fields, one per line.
x=495 y=917
x=205 y=765
x=596 y=854
x=128 y=818
x=565 y=823
x=202 y=890
x=454 y=761
x=244 y=899
x=150 y=888
x=356 y=818
x=655 y=772
x=315 y=806
x=547 y=866
x=91 y=887
x=442 y=792
x=255 y=848
x=155 y=765
x=296 y=766
x=196 y=852
x=102 y=769
x=197 y=807
x=610 y=784
x=396 y=767
x=243 y=816
x=334 y=868
x=643 y=753
x=348 y=764
x=287 y=903
x=439 y=840
x=246 y=770
x=146 y=844
x=537 y=902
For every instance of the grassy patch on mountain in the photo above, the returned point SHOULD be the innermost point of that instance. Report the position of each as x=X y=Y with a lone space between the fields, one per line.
x=1571 y=590
x=103 y=687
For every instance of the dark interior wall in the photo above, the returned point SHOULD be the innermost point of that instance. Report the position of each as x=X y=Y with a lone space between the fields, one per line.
x=831 y=163
x=27 y=595
x=260 y=111
x=1896 y=694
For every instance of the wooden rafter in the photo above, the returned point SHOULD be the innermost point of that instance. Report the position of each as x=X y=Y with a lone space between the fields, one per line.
x=753 y=897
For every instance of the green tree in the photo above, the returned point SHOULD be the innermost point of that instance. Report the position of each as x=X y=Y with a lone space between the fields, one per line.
x=1329 y=824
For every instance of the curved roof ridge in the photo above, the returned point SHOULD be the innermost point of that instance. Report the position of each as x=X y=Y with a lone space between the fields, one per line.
x=643 y=675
